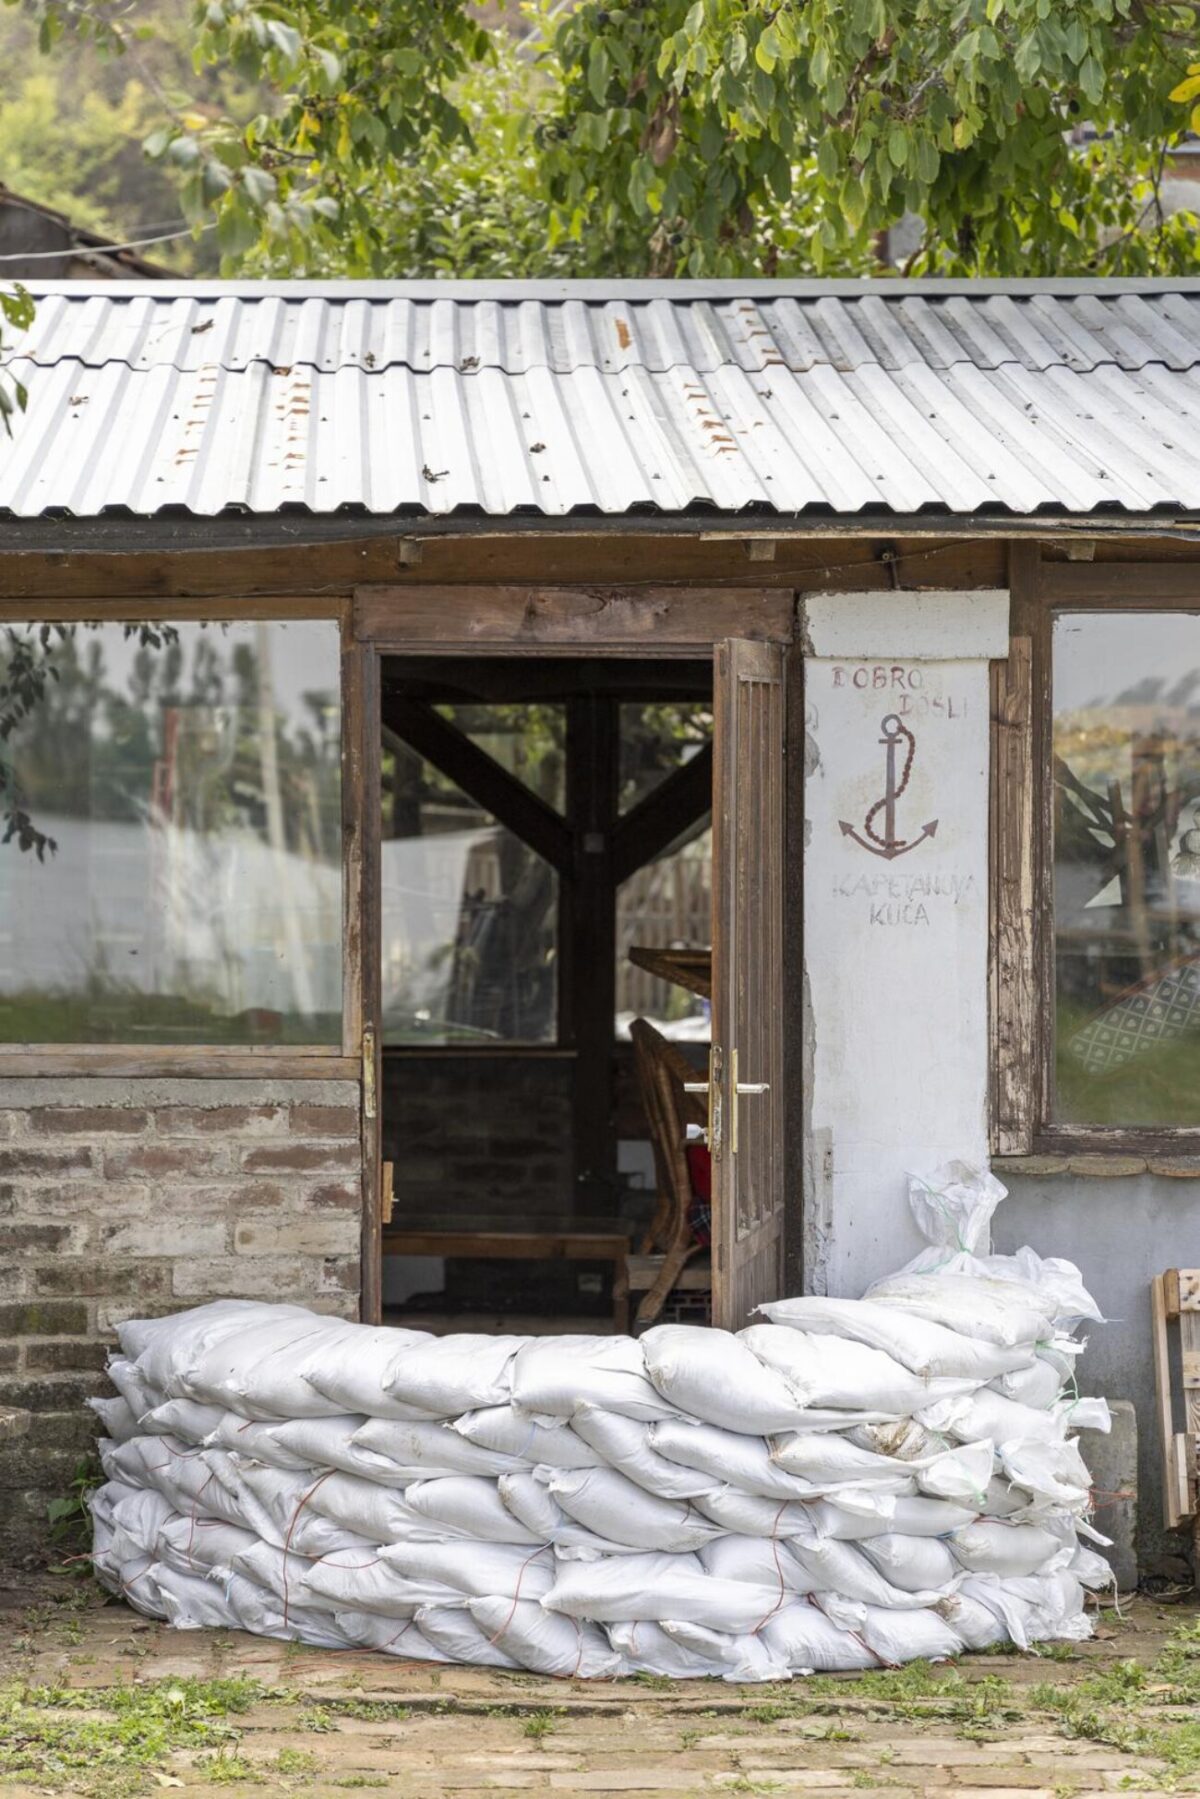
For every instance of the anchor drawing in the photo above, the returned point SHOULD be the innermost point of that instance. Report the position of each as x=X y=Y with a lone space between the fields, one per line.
x=889 y=845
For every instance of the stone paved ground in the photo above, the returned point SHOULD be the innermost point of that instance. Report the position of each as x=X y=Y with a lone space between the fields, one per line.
x=94 y=1700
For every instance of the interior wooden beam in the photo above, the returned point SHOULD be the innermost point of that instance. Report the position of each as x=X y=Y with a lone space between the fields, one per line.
x=481 y=778
x=654 y=823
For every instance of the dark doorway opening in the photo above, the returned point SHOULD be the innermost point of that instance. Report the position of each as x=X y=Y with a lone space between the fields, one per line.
x=545 y=838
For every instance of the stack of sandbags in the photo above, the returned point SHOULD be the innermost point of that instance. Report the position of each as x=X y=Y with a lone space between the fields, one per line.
x=850 y=1484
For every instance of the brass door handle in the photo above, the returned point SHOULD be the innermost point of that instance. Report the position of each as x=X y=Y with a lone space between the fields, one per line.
x=736 y=1089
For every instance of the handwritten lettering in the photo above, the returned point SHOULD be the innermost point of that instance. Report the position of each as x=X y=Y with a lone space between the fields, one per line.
x=890 y=912
x=906 y=888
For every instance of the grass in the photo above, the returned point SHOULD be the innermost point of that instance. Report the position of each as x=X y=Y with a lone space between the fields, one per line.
x=539 y=1725
x=111 y=1742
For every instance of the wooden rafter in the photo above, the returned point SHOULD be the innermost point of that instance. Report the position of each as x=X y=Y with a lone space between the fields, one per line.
x=481 y=778
x=654 y=823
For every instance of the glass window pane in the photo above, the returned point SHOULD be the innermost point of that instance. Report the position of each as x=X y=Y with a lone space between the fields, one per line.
x=1127 y=868
x=657 y=737
x=469 y=917
x=171 y=868
x=666 y=905
x=528 y=740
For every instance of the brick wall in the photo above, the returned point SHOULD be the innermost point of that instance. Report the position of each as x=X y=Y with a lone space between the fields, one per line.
x=132 y=1198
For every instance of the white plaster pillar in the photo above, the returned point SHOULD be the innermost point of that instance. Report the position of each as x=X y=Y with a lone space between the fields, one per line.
x=895 y=943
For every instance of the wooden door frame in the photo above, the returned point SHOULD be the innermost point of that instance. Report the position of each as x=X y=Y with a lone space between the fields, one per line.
x=640 y=622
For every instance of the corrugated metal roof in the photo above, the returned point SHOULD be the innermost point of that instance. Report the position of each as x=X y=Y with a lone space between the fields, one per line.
x=842 y=398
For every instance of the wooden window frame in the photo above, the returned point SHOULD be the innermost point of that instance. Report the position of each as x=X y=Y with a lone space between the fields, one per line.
x=1021 y=886
x=216 y=1061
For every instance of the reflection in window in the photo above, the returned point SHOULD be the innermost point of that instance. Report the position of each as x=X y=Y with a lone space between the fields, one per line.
x=469 y=917
x=657 y=738
x=1127 y=868
x=170 y=870
x=666 y=905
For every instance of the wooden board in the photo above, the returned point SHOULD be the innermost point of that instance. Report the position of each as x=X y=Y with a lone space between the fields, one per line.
x=690 y=968
x=1179 y=1448
x=630 y=620
x=748 y=849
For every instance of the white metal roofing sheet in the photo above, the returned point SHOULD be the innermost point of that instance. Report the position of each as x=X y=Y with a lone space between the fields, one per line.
x=888 y=397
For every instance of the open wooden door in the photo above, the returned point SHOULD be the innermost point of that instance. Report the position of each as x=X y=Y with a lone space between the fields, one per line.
x=747 y=1109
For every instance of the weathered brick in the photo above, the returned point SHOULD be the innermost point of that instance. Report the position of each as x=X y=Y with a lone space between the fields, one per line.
x=164 y=1235
x=346 y=1198
x=92 y=1121
x=300 y=1158
x=113 y=1312
x=46 y=1392
x=45 y=1162
x=340 y=1275
x=76 y=1430
x=14 y=1280
x=61 y=1355
x=247 y=1277
x=207 y=1121
x=52 y=1472
x=325 y=1121
x=14 y=1423
x=68 y=1202
x=44 y=1318
x=8 y=1200
x=16 y=1238
x=10 y=1356
x=297 y=1236
x=95 y=1276
x=158 y=1159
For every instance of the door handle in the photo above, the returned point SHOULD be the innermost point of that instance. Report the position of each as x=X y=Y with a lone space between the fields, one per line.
x=736 y=1089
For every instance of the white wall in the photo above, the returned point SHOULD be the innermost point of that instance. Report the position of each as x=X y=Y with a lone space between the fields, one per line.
x=895 y=947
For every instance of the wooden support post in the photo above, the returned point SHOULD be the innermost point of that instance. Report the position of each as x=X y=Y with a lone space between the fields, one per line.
x=589 y=924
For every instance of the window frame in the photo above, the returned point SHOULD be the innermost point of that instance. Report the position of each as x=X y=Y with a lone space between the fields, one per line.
x=1021 y=884
x=315 y=1061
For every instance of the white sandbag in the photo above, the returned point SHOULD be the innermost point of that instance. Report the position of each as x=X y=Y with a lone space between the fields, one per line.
x=352 y=1375
x=528 y=1499
x=480 y=1570
x=990 y=1547
x=624 y=1443
x=896 y=1637
x=189 y=1420
x=246 y=1440
x=201 y=1545
x=545 y=1642
x=421 y=1449
x=338 y=1443
x=658 y=1587
x=690 y=1652
x=118 y=1420
x=135 y=1516
x=841 y=1373
x=252 y=1369
x=961 y=1473
x=509 y=1432
x=952 y=1206
x=349 y=1581
x=192 y=1602
x=619 y=1510
x=1039 y=1385
x=1054 y=1473
x=912 y=1515
x=368 y=1509
x=726 y=1457
x=1091 y=1570
x=712 y=1375
x=979 y=1627
x=986 y=1413
x=164 y=1348
x=137 y=1392
x=261 y=1612
x=914 y=1564
x=467 y=1505
x=1084 y=1412
x=553 y=1375
x=189 y=1478
x=924 y=1348
x=824 y=1462
x=279 y=1572
x=843 y=1568
x=448 y=1375
x=750 y=1515
x=807 y=1642
x=280 y=1506
x=455 y=1634
x=764 y=1561
x=1006 y=1313
x=389 y=1636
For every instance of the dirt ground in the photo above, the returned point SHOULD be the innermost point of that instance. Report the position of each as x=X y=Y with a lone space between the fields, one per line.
x=94 y=1700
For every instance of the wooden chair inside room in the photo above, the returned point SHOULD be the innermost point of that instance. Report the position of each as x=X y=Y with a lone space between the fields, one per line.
x=669 y=1244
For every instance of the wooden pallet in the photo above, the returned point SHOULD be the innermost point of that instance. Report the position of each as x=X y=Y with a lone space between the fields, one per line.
x=1175 y=1299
